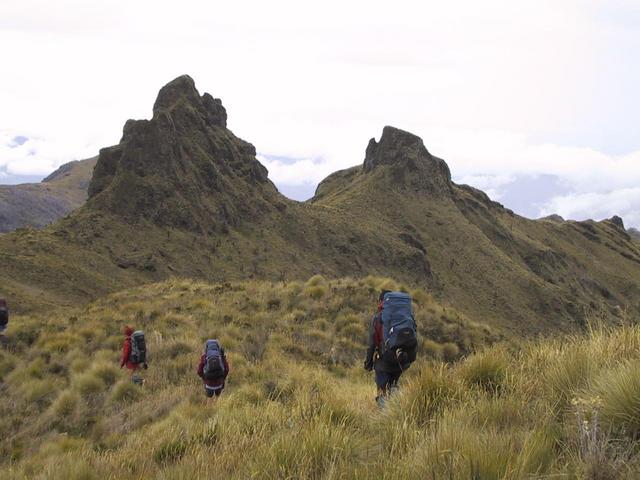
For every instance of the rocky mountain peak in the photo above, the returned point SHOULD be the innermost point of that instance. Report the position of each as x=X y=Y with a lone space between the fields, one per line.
x=395 y=146
x=181 y=93
x=406 y=154
x=182 y=168
x=617 y=221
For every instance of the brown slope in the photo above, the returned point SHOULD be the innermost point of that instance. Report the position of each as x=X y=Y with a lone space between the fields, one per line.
x=39 y=204
x=493 y=264
x=182 y=196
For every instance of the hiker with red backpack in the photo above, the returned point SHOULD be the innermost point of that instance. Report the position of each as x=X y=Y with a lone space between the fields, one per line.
x=134 y=353
x=213 y=369
x=392 y=341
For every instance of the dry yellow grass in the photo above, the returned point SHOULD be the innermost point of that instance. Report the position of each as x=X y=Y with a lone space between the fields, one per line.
x=298 y=403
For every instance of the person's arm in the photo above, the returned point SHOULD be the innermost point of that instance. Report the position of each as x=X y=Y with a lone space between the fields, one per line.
x=126 y=351
x=201 y=367
x=368 y=361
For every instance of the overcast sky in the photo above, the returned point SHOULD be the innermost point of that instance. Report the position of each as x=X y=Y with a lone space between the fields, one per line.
x=536 y=102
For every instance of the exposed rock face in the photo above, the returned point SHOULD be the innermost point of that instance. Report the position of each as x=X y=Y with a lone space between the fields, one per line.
x=412 y=163
x=181 y=93
x=182 y=168
x=617 y=221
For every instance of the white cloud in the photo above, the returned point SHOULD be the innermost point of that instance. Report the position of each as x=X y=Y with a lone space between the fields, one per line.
x=37 y=156
x=582 y=206
x=500 y=89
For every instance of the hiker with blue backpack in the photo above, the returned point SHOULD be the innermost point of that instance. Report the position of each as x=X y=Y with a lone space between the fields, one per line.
x=392 y=341
x=134 y=353
x=213 y=369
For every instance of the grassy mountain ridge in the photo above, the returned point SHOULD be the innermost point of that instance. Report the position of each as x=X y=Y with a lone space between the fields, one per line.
x=182 y=196
x=39 y=204
x=486 y=259
x=297 y=397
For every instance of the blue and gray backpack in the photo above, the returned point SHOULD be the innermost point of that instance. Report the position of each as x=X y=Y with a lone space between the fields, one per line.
x=399 y=333
x=138 y=348
x=213 y=364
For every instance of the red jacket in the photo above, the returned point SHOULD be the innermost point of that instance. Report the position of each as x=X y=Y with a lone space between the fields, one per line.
x=377 y=329
x=217 y=382
x=126 y=351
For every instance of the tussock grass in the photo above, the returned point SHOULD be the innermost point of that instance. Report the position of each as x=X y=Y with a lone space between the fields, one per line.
x=298 y=403
x=619 y=392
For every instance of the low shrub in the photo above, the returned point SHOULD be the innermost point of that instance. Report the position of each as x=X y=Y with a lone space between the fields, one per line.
x=431 y=349
x=89 y=383
x=619 y=391
x=315 y=292
x=38 y=391
x=316 y=280
x=486 y=370
x=106 y=372
x=450 y=352
x=66 y=403
x=170 y=451
x=567 y=372
x=125 y=391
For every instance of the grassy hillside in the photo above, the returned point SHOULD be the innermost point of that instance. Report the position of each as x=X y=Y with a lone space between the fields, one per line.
x=65 y=365
x=182 y=196
x=511 y=271
x=298 y=401
x=39 y=204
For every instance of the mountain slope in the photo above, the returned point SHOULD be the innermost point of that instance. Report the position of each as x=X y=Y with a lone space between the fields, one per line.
x=39 y=204
x=297 y=397
x=182 y=196
x=485 y=259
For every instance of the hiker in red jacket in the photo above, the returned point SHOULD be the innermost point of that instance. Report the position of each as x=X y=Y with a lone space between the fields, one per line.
x=213 y=369
x=126 y=359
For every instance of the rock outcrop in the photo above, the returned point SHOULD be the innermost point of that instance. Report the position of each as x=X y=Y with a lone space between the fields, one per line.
x=617 y=221
x=183 y=168
x=411 y=163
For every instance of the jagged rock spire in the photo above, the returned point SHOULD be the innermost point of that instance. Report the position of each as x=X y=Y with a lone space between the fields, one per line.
x=183 y=168
x=405 y=153
x=182 y=92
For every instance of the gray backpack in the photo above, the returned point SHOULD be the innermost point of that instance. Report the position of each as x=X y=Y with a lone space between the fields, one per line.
x=213 y=364
x=138 y=348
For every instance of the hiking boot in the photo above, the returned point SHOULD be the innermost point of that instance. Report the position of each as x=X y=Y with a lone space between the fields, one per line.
x=137 y=380
x=380 y=400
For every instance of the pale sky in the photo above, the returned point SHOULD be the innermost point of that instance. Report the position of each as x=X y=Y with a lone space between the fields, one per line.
x=536 y=102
